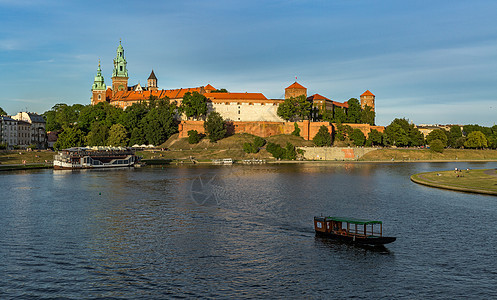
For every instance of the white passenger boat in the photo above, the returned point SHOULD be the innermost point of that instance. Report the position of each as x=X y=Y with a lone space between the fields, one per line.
x=94 y=157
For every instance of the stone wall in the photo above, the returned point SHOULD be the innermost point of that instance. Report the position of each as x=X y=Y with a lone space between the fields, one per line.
x=334 y=153
x=264 y=128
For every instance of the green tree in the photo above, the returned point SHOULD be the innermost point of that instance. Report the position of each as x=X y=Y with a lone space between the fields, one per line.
x=220 y=91
x=259 y=142
x=358 y=137
x=194 y=105
x=2 y=112
x=354 y=111
x=249 y=148
x=133 y=115
x=455 y=132
x=368 y=115
x=339 y=116
x=402 y=133
x=276 y=150
x=342 y=132
x=436 y=145
x=295 y=108
x=193 y=137
x=159 y=123
x=416 y=137
x=137 y=136
x=70 y=137
x=323 y=137
x=296 y=130
x=118 y=136
x=375 y=138
x=103 y=112
x=476 y=139
x=460 y=142
x=396 y=135
x=437 y=134
x=290 y=152
x=492 y=141
x=98 y=135
x=215 y=127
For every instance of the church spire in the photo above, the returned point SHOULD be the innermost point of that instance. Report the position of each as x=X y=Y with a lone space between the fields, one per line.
x=98 y=83
x=120 y=73
x=98 y=89
x=120 y=63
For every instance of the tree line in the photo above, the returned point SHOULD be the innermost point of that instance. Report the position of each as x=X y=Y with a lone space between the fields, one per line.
x=402 y=133
x=299 y=108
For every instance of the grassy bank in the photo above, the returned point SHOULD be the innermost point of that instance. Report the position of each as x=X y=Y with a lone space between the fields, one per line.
x=28 y=157
x=230 y=147
x=389 y=154
x=473 y=181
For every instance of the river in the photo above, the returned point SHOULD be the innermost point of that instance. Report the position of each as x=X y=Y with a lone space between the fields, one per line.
x=242 y=232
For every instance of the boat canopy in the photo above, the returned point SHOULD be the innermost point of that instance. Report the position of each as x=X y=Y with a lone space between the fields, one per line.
x=352 y=220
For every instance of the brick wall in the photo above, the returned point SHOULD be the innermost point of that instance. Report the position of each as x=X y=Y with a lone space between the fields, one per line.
x=264 y=129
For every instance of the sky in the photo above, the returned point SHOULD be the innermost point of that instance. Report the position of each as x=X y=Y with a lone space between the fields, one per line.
x=432 y=62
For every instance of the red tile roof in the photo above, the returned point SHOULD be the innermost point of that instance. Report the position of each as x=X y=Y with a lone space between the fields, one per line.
x=296 y=85
x=317 y=97
x=236 y=96
x=367 y=93
x=145 y=95
x=345 y=104
x=209 y=87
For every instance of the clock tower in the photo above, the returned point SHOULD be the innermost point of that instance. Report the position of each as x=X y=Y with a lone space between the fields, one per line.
x=120 y=73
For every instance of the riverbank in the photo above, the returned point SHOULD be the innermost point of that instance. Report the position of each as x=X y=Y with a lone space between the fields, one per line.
x=471 y=181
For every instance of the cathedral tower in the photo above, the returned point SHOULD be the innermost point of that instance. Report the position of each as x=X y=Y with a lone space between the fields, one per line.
x=98 y=88
x=120 y=73
x=367 y=98
x=152 y=82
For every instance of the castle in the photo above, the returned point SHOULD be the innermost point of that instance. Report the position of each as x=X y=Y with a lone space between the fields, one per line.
x=235 y=107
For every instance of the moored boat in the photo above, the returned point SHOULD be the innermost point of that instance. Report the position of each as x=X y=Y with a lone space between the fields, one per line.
x=357 y=231
x=95 y=157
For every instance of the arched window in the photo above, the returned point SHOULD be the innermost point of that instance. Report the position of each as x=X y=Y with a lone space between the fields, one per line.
x=99 y=97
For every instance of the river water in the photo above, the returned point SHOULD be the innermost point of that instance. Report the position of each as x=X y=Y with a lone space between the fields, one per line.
x=242 y=232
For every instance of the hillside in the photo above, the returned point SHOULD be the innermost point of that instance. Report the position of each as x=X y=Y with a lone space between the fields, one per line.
x=230 y=147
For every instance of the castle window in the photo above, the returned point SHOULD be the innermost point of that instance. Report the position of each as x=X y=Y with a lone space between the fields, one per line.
x=99 y=97
x=238 y=112
x=121 y=68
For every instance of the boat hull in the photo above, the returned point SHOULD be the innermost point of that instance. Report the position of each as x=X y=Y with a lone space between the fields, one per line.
x=359 y=240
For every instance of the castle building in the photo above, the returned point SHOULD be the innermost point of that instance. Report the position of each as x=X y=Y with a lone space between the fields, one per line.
x=367 y=98
x=243 y=107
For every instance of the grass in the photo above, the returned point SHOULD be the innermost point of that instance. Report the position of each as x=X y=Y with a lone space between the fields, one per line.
x=30 y=157
x=475 y=181
x=230 y=147
x=399 y=154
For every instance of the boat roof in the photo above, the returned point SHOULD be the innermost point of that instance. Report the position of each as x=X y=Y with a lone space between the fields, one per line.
x=351 y=220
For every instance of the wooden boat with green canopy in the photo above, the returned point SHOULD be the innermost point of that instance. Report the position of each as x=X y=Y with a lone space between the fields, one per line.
x=357 y=231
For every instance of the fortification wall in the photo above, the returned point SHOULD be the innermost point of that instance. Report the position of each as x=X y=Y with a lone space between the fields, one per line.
x=334 y=153
x=264 y=128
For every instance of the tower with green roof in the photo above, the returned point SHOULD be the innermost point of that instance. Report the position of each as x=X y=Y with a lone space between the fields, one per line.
x=120 y=73
x=98 y=88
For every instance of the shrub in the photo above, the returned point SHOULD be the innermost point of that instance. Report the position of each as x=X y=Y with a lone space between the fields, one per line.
x=358 y=137
x=194 y=137
x=437 y=146
x=279 y=152
x=323 y=137
x=3 y=146
x=259 y=142
x=250 y=148
x=296 y=130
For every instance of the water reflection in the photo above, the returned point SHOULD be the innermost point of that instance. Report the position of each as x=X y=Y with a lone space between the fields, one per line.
x=139 y=233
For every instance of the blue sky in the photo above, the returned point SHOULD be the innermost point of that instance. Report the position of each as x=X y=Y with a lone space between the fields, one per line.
x=428 y=61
